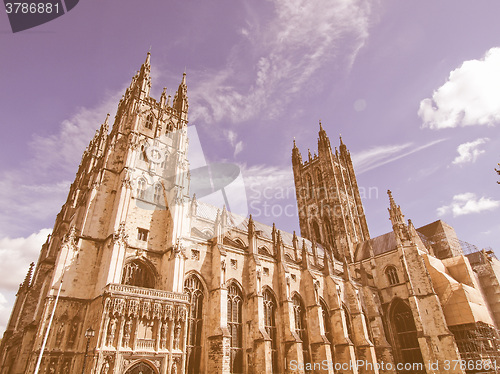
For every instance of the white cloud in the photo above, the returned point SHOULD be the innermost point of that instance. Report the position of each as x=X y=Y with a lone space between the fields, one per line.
x=377 y=156
x=469 y=152
x=272 y=179
x=5 y=310
x=301 y=37
x=15 y=256
x=469 y=97
x=467 y=203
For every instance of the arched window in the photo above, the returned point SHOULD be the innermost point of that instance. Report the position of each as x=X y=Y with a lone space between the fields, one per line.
x=320 y=187
x=405 y=334
x=329 y=232
x=326 y=323
x=149 y=122
x=136 y=273
x=317 y=233
x=299 y=314
x=270 y=307
x=348 y=323
x=157 y=193
x=310 y=186
x=140 y=368
x=235 y=326
x=194 y=288
x=392 y=275
x=141 y=188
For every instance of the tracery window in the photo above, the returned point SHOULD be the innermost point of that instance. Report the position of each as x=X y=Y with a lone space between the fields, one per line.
x=194 y=288
x=157 y=193
x=348 y=323
x=405 y=334
x=299 y=313
x=392 y=275
x=310 y=187
x=270 y=308
x=136 y=273
x=317 y=233
x=326 y=323
x=149 y=122
x=141 y=188
x=234 y=324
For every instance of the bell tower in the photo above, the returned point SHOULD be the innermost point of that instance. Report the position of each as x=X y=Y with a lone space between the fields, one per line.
x=328 y=199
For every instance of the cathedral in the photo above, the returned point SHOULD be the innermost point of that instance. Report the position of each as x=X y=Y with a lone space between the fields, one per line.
x=140 y=276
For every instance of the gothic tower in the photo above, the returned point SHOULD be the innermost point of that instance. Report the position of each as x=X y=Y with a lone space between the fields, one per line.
x=114 y=261
x=328 y=198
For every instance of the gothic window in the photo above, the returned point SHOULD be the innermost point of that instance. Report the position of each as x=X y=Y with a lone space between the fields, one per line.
x=348 y=323
x=329 y=232
x=157 y=193
x=194 y=288
x=317 y=234
x=270 y=307
x=327 y=324
x=142 y=153
x=234 y=324
x=310 y=187
x=149 y=122
x=405 y=334
x=140 y=368
x=299 y=314
x=142 y=234
x=321 y=187
x=137 y=273
x=392 y=275
x=141 y=188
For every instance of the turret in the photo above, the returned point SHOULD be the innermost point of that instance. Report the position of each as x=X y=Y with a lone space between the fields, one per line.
x=180 y=100
x=399 y=226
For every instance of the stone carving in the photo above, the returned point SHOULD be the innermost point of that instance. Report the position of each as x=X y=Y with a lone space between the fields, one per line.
x=163 y=334
x=177 y=335
x=127 y=329
x=111 y=332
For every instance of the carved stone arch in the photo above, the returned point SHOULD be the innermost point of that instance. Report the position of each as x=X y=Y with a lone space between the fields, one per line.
x=268 y=288
x=238 y=284
x=240 y=242
x=142 y=366
x=197 y=291
x=289 y=258
x=139 y=272
x=403 y=332
x=263 y=250
x=197 y=274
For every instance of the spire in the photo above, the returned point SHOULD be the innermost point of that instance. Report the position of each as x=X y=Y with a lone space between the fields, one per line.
x=342 y=147
x=296 y=156
x=399 y=226
x=180 y=99
x=323 y=141
x=305 y=256
x=27 y=279
x=141 y=83
x=163 y=97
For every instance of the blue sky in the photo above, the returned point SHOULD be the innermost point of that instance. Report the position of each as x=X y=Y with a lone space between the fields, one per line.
x=413 y=87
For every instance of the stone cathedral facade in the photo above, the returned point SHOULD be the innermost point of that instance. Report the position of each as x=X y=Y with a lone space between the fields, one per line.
x=173 y=285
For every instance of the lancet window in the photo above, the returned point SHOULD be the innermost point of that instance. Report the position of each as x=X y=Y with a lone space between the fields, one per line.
x=235 y=326
x=270 y=308
x=194 y=288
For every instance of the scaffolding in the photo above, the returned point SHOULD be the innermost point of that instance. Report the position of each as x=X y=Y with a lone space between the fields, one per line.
x=479 y=346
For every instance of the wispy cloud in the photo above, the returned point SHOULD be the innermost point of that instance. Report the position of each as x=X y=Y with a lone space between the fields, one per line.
x=232 y=137
x=300 y=38
x=468 y=203
x=469 y=152
x=469 y=97
x=270 y=178
x=16 y=255
x=377 y=156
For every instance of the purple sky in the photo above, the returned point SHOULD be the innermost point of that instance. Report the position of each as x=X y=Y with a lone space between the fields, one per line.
x=414 y=88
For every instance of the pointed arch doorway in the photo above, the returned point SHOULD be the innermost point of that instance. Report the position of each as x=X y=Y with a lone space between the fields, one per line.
x=405 y=337
x=141 y=368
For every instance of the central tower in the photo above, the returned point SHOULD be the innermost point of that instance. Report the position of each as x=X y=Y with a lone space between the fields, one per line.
x=328 y=198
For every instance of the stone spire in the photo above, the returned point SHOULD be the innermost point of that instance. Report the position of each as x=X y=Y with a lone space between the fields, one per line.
x=323 y=140
x=180 y=99
x=296 y=156
x=399 y=226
